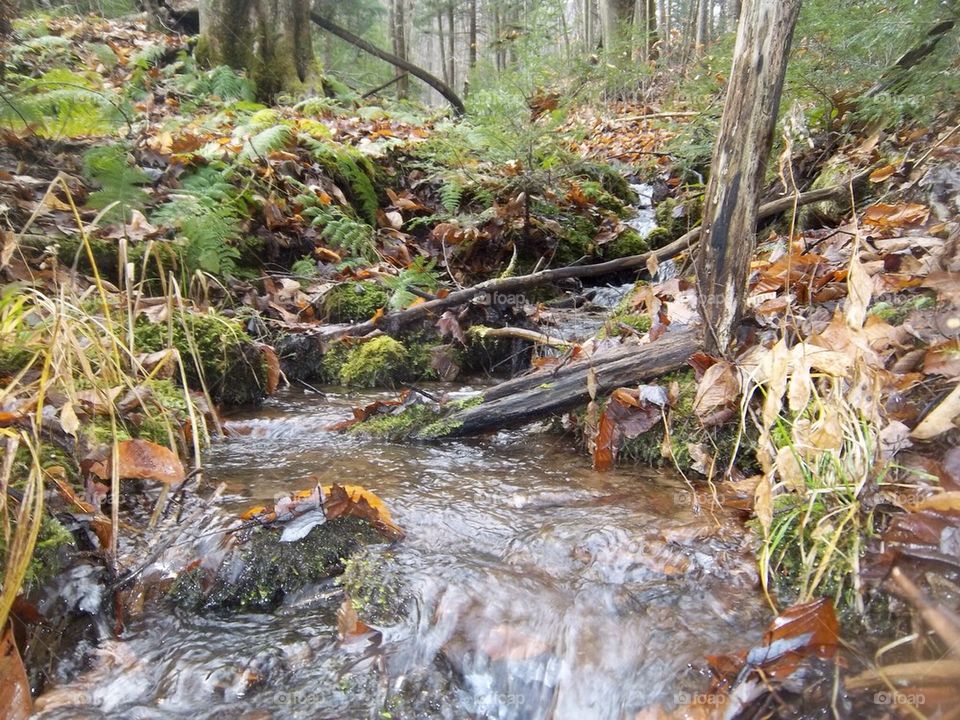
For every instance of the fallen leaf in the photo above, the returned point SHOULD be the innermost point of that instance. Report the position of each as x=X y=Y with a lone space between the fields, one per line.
x=68 y=419
x=718 y=388
x=15 y=700
x=892 y=216
x=882 y=173
x=142 y=460
x=940 y=419
x=943 y=359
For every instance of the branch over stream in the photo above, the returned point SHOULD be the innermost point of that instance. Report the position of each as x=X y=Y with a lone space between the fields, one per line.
x=393 y=322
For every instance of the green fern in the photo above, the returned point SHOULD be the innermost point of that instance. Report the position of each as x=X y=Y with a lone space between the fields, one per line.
x=62 y=104
x=222 y=81
x=120 y=182
x=451 y=194
x=266 y=141
x=420 y=274
x=207 y=211
x=351 y=171
x=345 y=233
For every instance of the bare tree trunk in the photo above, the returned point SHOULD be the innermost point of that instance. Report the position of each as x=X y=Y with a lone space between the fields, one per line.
x=268 y=38
x=399 y=36
x=452 y=45
x=739 y=161
x=703 y=23
x=473 y=34
x=443 y=51
x=498 y=38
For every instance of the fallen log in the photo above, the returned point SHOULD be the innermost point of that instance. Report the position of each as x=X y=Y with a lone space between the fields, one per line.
x=544 y=392
x=393 y=322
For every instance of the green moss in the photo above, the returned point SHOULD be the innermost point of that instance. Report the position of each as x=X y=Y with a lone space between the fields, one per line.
x=233 y=367
x=677 y=217
x=685 y=430
x=610 y=179
x=658 y=237
x=378 y=362
x=354 y=302
x=630 y=242
x=895 y=312
x=416 y=420
x=264 y=570
x=373 y=582
x=595 y=193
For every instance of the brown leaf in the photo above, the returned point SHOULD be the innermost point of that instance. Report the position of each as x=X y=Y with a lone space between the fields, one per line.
x=943 y=359
x=449 y=326
x=882 y=173
x=718 y=388
x=356 y=501
x=940 y=419
x=15 y=700
x=273 y=367
x=142 y=460
x=892 y=216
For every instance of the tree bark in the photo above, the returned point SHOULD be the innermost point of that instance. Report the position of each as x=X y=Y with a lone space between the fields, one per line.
x=443 y=49
x=398 y=33
x=418 y=72
x=270 y=39
x=473 y=34
x=451 y=48
x=547 y=392
x=739 y=161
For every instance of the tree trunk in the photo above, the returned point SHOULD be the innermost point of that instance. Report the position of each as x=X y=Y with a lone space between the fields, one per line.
x=418 y=72
x=703 y=23
x=399 y=36
x=443 y=49
x=452 y=48
x=270 y=39
x=739 y=161
x=473 y=34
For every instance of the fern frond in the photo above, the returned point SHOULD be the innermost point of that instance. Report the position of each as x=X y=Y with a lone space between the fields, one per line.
x=266 y=141
x=120 y=182
x=345 y=233
x=451 y=194
x=420 y=274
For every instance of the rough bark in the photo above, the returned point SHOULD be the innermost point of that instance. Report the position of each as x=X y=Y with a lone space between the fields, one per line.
x=546 y=392
x=418 y=72
x=270 y=39
x=739 y=161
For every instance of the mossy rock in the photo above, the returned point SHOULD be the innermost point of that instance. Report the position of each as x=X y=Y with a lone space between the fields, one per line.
x=676 y=217
x=380 y=362
x=417 y=421
x=262 y=571
x=629 y=242
x=233 y=367
x=373 y=582
x=353 y=302
x=610 y=179
x=828 y=212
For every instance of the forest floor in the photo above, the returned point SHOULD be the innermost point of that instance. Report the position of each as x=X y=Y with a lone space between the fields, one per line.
x=170 y=246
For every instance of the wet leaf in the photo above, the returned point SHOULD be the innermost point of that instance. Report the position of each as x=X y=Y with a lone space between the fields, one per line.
x=68 y=419
x=142 y=460
x=356 y=501
x=882 y=173
x=859 y=292
x=15 y=700
x=943 y=359
x=273 y=367
x=940 y=419
x=449 y=326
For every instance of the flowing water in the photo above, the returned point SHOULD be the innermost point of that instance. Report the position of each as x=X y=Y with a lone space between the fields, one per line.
x=535 y=588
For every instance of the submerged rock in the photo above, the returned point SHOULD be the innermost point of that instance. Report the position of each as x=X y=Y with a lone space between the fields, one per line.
x=261 y=570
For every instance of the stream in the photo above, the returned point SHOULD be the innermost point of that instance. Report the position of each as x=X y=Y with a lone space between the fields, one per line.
x=536 y=588
x=532 y=586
